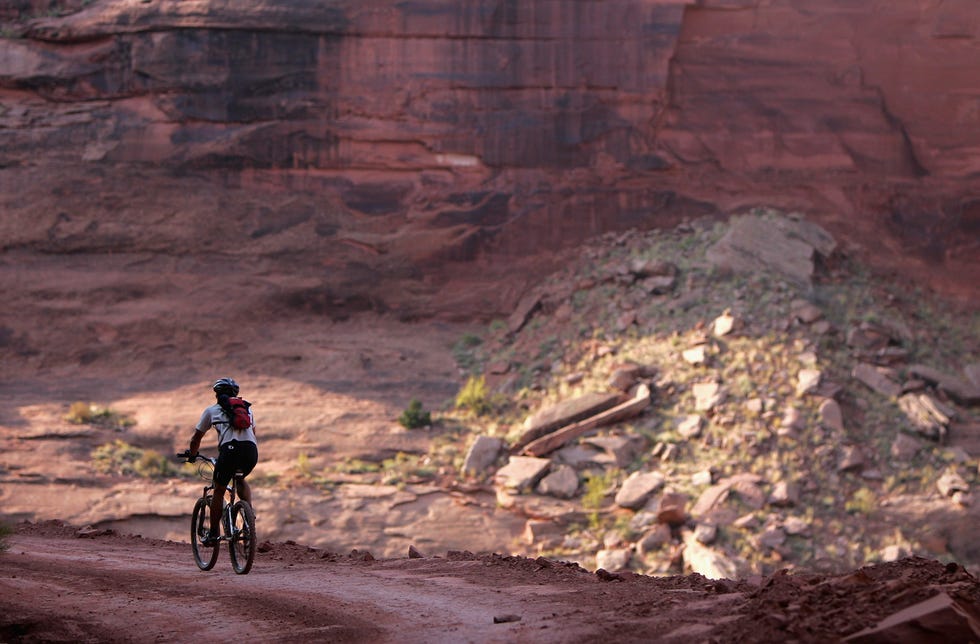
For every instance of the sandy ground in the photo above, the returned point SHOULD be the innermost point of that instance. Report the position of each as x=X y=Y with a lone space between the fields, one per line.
x=58 y=586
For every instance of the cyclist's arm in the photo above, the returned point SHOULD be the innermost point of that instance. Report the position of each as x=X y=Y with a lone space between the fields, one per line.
x=203 y=426
x=195 y=443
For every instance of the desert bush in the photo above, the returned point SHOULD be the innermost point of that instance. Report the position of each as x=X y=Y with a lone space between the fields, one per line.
x=414 y=416
x=121 y=458
x=5 y=531
x=473 y=397
x=87 y=413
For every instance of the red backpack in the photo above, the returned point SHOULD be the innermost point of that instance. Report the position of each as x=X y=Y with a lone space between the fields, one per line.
x=239 y=417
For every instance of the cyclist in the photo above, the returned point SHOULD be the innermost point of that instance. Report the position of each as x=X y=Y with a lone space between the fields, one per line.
x=237 y=450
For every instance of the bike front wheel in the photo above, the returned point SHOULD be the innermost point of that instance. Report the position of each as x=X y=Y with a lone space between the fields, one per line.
x=204 y=556
x=241 y=541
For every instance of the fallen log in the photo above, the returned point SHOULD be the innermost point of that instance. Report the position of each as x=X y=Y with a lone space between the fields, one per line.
x=556 y=439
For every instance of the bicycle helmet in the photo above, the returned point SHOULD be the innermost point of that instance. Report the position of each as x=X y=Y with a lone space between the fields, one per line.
x=225 y=386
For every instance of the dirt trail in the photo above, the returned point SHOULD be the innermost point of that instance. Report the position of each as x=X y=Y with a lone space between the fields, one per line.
x=58 y=587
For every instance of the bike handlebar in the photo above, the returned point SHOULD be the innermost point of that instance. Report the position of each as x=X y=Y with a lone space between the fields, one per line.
x=197 y=457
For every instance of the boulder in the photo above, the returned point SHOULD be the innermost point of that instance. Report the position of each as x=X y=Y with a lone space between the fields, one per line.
x=877 y=379
x=522 y=473
x=807 y=381
x=561 y=482
x=772 y=244
x=941 y=616
x=672 y=509
x=905 y=447
x=960 y=389
x=927 y=415
x=784 y=494
x=707 y=395
x=542 y=533
x=655 y=538
x=700 y=559
x=565 y=413
x=613 y=560
x=637 y=488
x=620 y=451
x=831 y=416
x=482 y=454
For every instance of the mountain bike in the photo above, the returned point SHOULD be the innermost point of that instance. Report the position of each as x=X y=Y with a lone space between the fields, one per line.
x=237 y=522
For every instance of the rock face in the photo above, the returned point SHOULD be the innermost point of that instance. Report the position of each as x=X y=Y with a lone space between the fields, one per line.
x=388 y=143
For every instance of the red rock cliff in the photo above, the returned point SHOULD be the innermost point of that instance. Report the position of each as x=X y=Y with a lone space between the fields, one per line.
x=368 y=151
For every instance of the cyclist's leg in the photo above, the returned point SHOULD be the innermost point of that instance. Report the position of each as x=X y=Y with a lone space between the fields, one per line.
x=223 y=471
x=247 y=457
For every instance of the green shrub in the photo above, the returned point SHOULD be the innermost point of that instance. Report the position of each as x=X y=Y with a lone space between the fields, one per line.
x=86 y=413
x=863 y=501
x=121 y=458
x=414 y=416
x=473 y=396
x=5 y=531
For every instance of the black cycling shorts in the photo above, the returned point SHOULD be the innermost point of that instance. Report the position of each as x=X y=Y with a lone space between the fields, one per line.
x=233 y=456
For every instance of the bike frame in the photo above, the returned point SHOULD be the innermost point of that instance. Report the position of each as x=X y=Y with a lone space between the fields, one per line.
x=239 y=536
x=231 y=488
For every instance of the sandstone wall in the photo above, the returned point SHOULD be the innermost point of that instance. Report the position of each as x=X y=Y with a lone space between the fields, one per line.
x=366 y=146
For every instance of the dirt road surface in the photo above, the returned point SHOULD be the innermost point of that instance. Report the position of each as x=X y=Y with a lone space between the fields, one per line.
x=59 y=584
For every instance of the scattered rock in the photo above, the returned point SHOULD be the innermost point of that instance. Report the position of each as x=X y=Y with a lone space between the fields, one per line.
x=522 y=473
x=700 y=559
x=671 y=509
x=706 y=533
x=504 y=619
x=578 y=455
x=620 y=450
x=784 y=494
x=972 y=372
x=795 y=526
x=562 y=482
x=564 y=413
x=904 y=447
x=723 y=324
x=695 y=355
x=690 y=427
x=772 y=244
x=704 y=477
x=807 y=381
x=522 y=313
x=805 y=312
x=654 y=539
x=792 y=419
x=707 y=395
x=637 y=488
x=613 y=560
x=927 y=415
x=951 y=482
x=955 y=619
x=482 y=454
x=772 y=537
x=877 y=379
x=959 y=389
x=831 y=416
x=413 y=553
x=852 y=459
x=623 y=378
x=540 y=532
x=659 y=284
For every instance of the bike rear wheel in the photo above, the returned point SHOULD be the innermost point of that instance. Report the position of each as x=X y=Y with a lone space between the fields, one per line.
x=241 y=544
x=204 y=556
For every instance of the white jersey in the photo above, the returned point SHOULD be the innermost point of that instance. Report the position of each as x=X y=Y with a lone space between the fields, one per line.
x=215 y=416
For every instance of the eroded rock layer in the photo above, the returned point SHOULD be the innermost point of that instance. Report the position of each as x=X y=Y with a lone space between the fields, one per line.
x=365 y=154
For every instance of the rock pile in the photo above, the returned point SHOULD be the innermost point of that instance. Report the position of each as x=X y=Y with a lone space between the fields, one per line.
x=746 y=440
